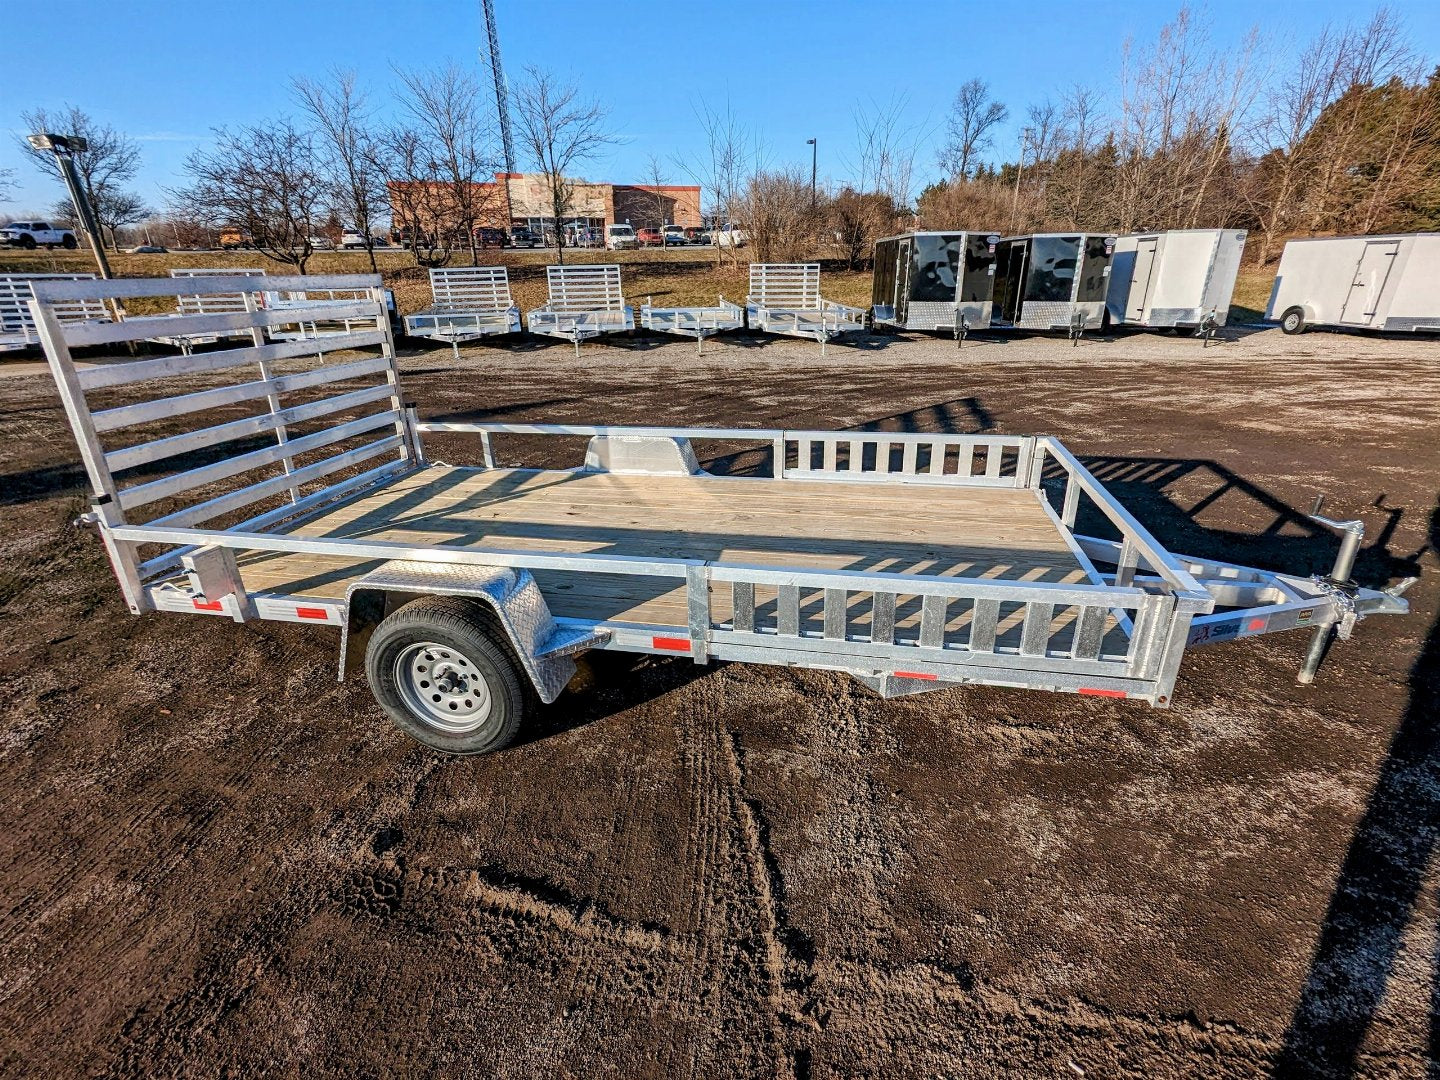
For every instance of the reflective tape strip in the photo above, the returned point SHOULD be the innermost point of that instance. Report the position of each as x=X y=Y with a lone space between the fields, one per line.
x=210 y=605
x=1091 y=691
x=671 y=644
x=915 y=675
x=312 y=613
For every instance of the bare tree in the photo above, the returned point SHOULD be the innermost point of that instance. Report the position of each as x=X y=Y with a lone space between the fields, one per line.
x=7 y=184
x=722 y=169
x=779 y=215
x=266 y=180
x=420 y=204
x=452 y=138
x=108 y=162
x=113 y=211
x=659 y=207
x=885 y=151
x=559 y=131
x=857 y=219
x=352 y=154
x=974 y=115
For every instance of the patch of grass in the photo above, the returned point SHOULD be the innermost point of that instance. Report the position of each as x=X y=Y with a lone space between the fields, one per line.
x=1252 y=294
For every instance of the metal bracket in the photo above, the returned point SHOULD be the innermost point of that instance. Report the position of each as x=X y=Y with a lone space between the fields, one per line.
x=214 y=575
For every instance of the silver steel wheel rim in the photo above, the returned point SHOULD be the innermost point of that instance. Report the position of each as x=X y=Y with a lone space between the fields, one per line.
x=443 y=688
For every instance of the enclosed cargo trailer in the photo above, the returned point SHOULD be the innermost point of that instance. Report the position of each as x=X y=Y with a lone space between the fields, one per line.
x=1181 y=277
x=1359 y=282
x=1052 y=281
x=934 y=280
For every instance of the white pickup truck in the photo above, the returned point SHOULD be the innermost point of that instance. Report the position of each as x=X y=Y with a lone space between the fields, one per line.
x=33 y=234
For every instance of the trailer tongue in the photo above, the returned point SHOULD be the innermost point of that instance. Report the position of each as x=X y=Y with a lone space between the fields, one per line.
x=913 y=561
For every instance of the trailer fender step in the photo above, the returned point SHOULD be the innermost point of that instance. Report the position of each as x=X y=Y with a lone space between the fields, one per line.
x=545 y=650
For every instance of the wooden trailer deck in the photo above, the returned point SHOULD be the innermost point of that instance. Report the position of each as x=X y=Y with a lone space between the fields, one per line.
x=1000 y=533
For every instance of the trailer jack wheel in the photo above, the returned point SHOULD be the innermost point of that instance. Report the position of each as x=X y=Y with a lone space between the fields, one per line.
x=441 y=670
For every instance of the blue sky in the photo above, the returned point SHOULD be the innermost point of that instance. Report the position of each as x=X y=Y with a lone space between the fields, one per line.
x=167 y=72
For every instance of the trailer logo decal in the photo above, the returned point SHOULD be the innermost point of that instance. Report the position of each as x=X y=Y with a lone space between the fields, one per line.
x=915 y=675
x=1095 y=691
x=201 y=604
x=672 y=644
x=312 y=613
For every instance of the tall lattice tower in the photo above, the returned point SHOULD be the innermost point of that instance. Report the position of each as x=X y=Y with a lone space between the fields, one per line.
x=502 y=96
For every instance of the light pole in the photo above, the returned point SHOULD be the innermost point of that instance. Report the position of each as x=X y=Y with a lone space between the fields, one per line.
x=814 y=159
x=65 y=147
x=1020 y=168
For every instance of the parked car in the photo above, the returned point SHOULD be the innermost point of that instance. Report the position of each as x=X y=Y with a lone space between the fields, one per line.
x=620 y=236
x=731 y=236
x=352 y=238
x=33 y=234
x=149 y=249
x=649 y=238
x=521 y=236
x=674 y=235
x=321 y=243
x=486 y=237
x=696 y=235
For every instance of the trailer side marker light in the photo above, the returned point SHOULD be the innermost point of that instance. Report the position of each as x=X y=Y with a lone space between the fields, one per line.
x=207 y=605
x=915 y=675
x=1092 y=691
x=673 y=644
x=312 y=613
x=1256 y=625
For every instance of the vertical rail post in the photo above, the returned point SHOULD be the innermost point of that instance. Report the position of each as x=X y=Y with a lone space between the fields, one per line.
x=272 y=399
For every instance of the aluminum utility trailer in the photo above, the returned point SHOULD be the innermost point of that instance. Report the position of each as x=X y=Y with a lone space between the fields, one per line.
x=469 y=302
x=696 y=322
x=785 y=299
x=934 y=281
x=17 y=327
x=1180 y=278
x=583 y=302
x=1052 y=281
x=205 y=305
x=913 y=561
x=1359 y=282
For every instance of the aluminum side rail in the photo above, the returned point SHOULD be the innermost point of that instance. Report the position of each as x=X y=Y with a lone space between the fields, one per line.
x=696 y=322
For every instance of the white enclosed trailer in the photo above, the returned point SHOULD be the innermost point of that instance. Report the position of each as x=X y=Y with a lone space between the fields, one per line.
x=1362 y=282
x=1183 y=277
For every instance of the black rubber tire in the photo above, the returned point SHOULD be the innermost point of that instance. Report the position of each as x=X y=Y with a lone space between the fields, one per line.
x=471 y=629
x=27 y=242
x=1293 y=321
x=69 y=243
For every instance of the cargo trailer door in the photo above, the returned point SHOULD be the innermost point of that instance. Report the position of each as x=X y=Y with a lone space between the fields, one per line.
x=1142 y=274
x=903 y=262
x=1370 y=276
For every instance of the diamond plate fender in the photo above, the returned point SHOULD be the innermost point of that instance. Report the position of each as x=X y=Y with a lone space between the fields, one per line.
x=512 y=594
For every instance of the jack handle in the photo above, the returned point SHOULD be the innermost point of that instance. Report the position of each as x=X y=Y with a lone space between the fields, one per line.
x=1352 y=533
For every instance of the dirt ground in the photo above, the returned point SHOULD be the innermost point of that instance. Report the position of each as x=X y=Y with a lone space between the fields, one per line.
x=220 y=862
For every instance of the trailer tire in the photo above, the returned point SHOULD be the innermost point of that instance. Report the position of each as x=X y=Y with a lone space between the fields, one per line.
x=1293 y=321
x=441 y=668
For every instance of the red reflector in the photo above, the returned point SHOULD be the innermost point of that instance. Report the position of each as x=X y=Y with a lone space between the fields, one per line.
x=674 y=644
x=1256 y=624
x=915 y=675
x=1091 y=691
x=312 y=612
x=207 y=605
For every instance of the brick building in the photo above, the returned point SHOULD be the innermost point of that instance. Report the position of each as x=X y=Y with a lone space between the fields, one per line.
x=593 y=206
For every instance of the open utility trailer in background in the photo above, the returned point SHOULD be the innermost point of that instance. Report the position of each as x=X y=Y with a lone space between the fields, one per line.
x=912 y=561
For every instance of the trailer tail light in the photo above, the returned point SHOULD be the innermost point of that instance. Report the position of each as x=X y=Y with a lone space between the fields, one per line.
x=1095 y=691
x=671 y=644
